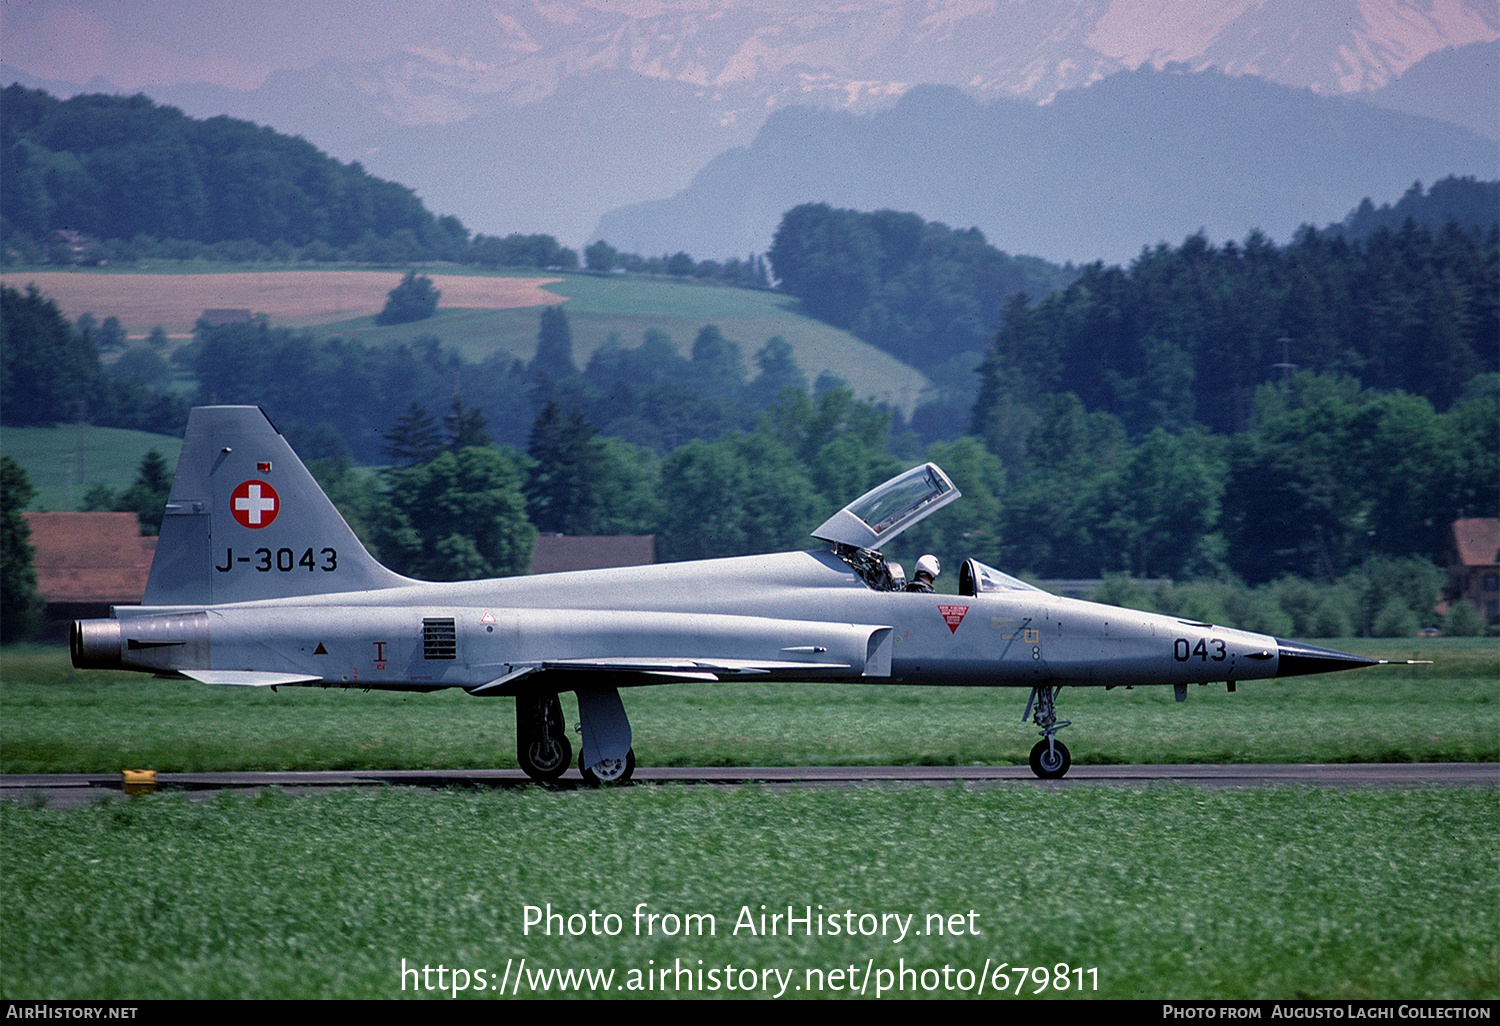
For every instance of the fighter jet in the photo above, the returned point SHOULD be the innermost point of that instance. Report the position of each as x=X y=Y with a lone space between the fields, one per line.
x=257 y=581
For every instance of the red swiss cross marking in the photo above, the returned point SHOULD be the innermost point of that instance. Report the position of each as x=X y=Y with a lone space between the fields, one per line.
x=953 y=616
x=255 y=504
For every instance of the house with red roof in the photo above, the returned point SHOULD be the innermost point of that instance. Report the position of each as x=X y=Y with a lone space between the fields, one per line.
x=1472 y=557
x=87 y=562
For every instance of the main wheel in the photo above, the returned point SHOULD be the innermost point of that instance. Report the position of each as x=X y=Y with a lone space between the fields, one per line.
x=1050 y=762
x=611 y=771
x=546 y=757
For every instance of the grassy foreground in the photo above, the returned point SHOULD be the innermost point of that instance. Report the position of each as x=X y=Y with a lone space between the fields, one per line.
x=1150 y=892
x=57 y=720
x=1144 y=893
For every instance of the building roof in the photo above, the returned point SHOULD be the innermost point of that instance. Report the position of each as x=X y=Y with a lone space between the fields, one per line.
x=1476 y=540
x=90 y=557
x=558 y=552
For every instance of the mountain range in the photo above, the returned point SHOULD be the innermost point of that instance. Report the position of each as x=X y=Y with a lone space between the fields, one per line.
x=1139 y=158
x=545 y=117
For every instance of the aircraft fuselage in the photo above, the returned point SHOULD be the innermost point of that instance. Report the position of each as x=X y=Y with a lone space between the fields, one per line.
x=828 y=625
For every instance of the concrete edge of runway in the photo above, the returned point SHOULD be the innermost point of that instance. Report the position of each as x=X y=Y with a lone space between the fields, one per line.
x=78 y=788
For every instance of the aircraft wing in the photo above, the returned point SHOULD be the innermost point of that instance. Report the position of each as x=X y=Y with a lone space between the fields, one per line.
x=248 y=678
x=705 y=647
x=709 y=669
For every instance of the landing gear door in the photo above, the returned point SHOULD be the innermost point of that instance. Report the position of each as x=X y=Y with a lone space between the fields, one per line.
x=885 y=511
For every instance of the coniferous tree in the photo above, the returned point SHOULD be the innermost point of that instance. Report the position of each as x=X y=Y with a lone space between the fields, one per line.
x=20 y=606
x=554 y=346
x=716 y=366
x=562 y=490
x=413 y=439
x=465 y=426
x=147 y=495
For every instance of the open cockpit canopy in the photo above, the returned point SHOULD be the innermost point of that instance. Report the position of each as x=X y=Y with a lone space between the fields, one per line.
x=888 y=509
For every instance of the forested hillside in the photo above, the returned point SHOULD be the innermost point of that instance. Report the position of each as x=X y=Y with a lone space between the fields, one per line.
x=921 y=291
x=113 y=179
x=1185 y=335
x=1251 y=408
x=1465 y=201
x=124 y=168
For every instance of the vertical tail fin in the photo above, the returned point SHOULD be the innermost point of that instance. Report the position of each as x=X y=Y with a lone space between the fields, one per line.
x=246 y=521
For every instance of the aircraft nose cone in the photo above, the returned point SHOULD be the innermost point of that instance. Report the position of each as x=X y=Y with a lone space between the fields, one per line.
x=1298 y=659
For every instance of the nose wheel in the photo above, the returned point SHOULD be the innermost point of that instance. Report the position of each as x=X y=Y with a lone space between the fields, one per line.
x=1050 y=758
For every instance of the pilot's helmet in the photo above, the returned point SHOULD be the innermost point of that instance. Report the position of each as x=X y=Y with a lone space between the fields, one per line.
x=929 y=565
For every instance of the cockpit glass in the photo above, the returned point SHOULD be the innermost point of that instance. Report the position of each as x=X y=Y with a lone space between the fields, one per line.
x=888 y=509
x=884 y=508
x=974 y=578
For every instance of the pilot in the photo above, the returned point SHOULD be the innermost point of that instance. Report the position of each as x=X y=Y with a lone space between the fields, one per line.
x=927 y=571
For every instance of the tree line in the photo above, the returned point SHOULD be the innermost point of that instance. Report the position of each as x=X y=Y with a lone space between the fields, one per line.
x=109 y=179
x=317 y=388
x=50 y=372
x=1185 y=336
x=124 y=168
x=919 y=290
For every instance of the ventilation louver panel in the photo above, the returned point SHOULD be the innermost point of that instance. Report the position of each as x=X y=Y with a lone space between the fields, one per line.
x=439 y=638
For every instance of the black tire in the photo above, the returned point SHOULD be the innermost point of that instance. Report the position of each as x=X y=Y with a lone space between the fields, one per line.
x=593 y=781
x=1050 y=765
x=546 y=758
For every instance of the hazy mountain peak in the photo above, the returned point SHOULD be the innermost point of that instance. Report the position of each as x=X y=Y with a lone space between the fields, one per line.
x=1349 y=46
x=538 y=116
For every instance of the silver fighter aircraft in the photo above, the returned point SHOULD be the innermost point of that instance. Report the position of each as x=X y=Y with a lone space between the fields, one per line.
x=258 y=581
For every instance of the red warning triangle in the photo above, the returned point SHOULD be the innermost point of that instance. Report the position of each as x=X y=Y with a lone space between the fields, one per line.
x=953 y=616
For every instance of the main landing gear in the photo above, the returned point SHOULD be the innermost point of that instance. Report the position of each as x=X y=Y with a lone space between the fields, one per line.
x=542 y=747
x=1050 y=758
x=608 y=771
x=607 y=757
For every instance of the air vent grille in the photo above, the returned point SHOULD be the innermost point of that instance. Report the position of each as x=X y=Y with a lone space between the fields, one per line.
x=439 y=638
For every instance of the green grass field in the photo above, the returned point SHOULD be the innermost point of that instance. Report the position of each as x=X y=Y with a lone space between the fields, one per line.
x=628 y=306
x=74 y=457
x=1153 y=892
x=598 y=306
x=1148 y=893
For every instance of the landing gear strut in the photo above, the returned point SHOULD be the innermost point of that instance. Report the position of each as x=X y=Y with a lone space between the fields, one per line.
x=607 y=757
x=542 y=747
x=1049 y=758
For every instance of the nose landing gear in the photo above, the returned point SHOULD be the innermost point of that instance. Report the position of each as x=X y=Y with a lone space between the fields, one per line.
x=1050 y=758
